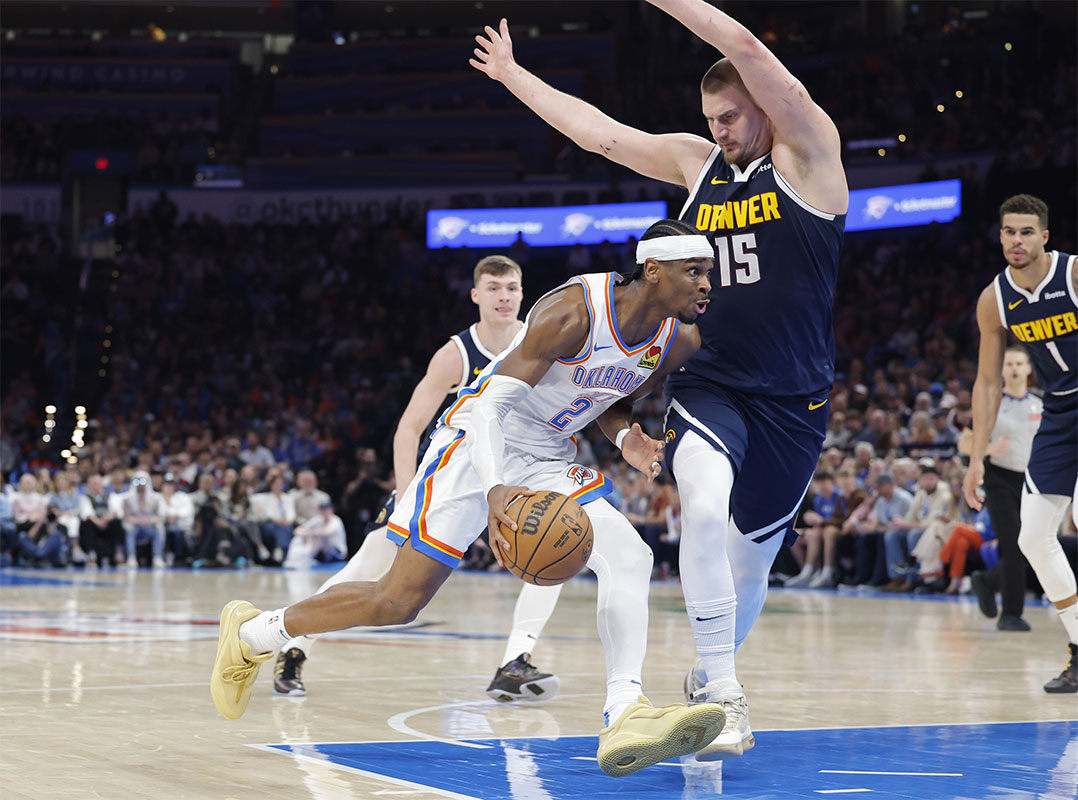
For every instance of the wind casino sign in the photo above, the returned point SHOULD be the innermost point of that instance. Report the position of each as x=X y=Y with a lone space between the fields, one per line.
x=542 y=227
x=906 y=205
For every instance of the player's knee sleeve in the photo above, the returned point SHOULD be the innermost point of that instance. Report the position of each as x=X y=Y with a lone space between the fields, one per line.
x=618 y=548
x=1041 y=515
x=705 y=479
x=750 y=563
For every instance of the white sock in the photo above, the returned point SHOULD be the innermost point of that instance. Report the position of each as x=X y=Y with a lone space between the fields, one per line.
x=712 y=623
x=265 y=633
x=621 y=692
x=1069 y=617
x=534 y=606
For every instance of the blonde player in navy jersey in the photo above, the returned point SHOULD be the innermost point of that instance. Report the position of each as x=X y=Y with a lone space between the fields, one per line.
x=749 y=412
x=497 y=291
x=1035 y=298
x=587 y=351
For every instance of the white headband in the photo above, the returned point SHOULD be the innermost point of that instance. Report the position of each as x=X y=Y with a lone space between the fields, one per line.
x=674 y=248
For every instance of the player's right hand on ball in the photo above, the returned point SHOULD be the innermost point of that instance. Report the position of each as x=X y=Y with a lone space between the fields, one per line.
x=498 y=500
x=974 y=478
x=495 y=52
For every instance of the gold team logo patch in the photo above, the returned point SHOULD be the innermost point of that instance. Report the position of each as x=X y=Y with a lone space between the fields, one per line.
x=671 y=435
x=381 y=516
x=651 y=357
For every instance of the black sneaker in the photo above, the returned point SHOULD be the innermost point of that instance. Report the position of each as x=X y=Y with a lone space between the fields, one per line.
x=986 y=598
x=1010 y=623
x=519 y=680
x=1067 y=682
x=286 y=679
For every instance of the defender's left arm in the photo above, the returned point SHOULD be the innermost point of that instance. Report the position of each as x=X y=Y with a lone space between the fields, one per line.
x=801 y=127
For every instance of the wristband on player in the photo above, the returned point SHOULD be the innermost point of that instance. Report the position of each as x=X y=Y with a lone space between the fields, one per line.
x=619 y=440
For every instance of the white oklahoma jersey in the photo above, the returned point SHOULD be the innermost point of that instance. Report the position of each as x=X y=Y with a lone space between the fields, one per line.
x=444 y=509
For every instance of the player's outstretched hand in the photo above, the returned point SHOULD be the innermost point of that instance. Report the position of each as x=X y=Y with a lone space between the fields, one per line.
x=494 y=56
x=498 y=500
x=974 y=478
x=643 y=452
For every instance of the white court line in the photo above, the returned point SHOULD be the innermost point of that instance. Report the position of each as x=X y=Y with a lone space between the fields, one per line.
x=399 y=722
x=840 y=791
x=366 y=774
x=869 y=772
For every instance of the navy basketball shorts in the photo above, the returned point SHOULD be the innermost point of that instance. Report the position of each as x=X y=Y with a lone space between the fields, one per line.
x=1053 y=462
x=774 y=444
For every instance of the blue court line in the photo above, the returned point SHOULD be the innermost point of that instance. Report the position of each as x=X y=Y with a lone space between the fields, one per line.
x=992 y=761
x=10 y=578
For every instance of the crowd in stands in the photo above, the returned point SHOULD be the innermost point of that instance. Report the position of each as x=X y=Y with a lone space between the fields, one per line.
x=227 y=367
x=876 y=85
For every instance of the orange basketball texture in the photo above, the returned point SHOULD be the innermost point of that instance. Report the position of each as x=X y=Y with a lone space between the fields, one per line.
x=553 y=539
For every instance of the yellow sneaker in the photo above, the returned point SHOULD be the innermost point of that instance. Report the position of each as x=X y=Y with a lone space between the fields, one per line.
x=644 y=735
x=235 y=669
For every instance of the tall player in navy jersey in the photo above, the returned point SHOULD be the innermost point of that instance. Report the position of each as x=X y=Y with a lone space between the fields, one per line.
x=748 y=412
x=1035 y=298
x=498 y=292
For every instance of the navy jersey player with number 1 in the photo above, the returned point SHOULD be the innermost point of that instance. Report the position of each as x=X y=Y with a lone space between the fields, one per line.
x=749 y=411
x=1036 y=299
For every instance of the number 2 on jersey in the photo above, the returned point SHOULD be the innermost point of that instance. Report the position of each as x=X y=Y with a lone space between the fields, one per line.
x=747 y=263
x=578 y=407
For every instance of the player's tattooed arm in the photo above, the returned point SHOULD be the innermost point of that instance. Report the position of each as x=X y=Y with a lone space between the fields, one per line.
x=672 y=157
x=809 y=137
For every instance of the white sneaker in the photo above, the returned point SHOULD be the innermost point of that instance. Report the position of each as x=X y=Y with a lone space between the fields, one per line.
x=825 y=579
x=736 y=737
x=802 y=580
x=159 y=563
x=132 y=562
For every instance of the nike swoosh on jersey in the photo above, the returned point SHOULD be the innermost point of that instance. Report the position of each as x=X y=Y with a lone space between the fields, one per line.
x=716 y=181
x=599 y=347
x=476 y=370
x=814 y=406
x=1014 y=305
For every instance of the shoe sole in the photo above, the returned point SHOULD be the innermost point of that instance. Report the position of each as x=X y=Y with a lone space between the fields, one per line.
x=540 y=691
x=223 y=693
x=697 y=727
x=1067 y=690
x=293 y=693
x=721 y=752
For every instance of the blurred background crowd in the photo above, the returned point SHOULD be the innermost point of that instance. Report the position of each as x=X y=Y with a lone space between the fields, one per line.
x=241 y=381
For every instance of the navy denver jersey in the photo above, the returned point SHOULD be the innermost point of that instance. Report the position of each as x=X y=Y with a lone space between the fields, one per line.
x=769 y=330
x=1045 y=321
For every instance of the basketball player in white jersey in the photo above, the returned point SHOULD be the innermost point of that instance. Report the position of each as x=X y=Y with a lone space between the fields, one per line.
x=591 y=346
x=498 y=292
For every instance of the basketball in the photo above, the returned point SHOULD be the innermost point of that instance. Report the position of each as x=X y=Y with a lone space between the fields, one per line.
x=553 y=539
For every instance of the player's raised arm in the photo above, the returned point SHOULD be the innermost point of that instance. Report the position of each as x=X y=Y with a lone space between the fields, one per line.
x=557 y=328
x=443 y=375
x=798 y=122
x=675 y=157
x=987 y=390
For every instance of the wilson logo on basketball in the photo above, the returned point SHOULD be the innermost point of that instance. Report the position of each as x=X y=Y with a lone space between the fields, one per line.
x=539 y=507
x=651 y=357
